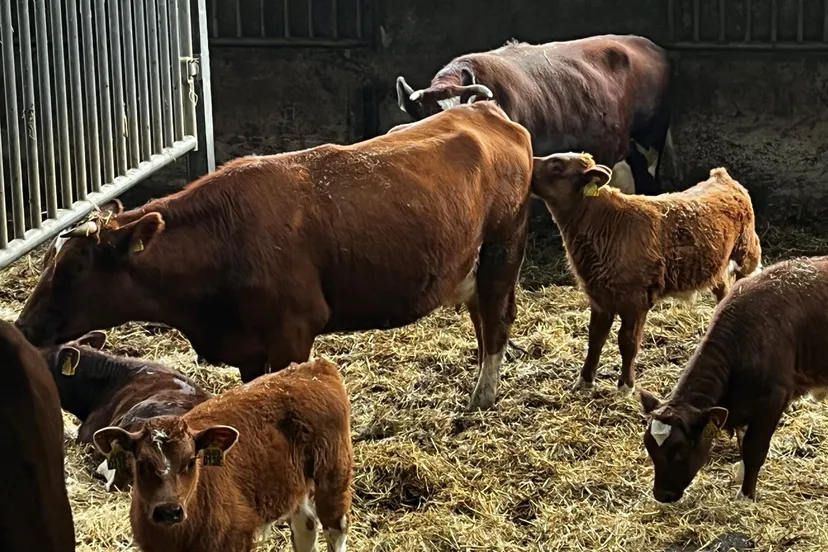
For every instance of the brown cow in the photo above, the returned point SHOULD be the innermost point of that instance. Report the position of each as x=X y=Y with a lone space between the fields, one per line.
x=104 y=390
x=254 y=261
x=604 y=94
x=627 y=252
x=765 y=347
x=34 y=506
x=276 y=449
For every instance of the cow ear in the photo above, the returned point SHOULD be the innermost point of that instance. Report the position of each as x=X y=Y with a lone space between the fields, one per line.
x=67 y=360
x=220 y=437
x=115 y=440
x=96 y=340
x=134 y=237
x=404 y=93
x=598 y=175
x=113 y=207
x=649 y=402
x=717 y=416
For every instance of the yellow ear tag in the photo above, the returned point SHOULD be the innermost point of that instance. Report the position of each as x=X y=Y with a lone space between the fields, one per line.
x=116 y=459
x=68 y=369
x=591 y=189
x=213 y=456
x=139 y=246
x=710 y=431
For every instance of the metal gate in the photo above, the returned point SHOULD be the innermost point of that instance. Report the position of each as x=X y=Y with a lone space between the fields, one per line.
x=99 y=94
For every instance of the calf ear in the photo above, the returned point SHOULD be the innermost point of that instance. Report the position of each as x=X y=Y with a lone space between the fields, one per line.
x=220 y=437
x=649 y=402
x=113 y=207
x=718 y=416
x=404 y=92
x=598 y=175
x=135 y=236
x=68 y=359
x=115 y=440
x=96 y=340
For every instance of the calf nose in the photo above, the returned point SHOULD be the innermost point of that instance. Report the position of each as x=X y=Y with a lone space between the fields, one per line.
x=666 y=496
x=168 y=513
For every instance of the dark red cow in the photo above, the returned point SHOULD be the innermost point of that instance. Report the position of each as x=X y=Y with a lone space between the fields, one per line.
x=596 y=94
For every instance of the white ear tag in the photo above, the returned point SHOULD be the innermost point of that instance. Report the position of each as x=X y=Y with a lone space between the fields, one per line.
x=660 y=431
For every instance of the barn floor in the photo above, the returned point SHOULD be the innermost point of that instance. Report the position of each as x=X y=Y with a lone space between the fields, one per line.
x=546 y=470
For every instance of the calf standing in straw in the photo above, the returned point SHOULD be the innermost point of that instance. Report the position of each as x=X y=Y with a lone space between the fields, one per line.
x=627 y=252
x=275 y=449
x=765 y=347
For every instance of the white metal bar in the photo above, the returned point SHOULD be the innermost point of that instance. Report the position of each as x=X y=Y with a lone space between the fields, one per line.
x=154 y=77
x=104 y=91
x=61 y=102
x=131 y=85
x=12 y=115
x=78 y=122
x=29 y=113
x=91 y=97
x=175 y=63
x=165 y=69
x=144 y=132
x=47 y=130
x=118 y=107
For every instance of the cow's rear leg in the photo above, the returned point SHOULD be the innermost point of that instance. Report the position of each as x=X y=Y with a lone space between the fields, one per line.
x=303 y=528
x=629 y=343
x=333 y=494
x=496 y=280
x=600 y=323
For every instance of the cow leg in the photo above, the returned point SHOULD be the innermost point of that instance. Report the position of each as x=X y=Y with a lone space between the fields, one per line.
x=303 y=528
x=756 y=443
x=293 y=339
x=474 y=314
x=629 y=342
x=497 y=276
x=333 y=496
x=600 y=323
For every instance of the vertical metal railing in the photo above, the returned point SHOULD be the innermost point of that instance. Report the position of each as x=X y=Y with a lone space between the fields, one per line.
x=97 y=95
x=768 y=10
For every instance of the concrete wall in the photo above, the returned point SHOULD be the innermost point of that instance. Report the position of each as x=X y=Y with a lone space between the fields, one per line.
x=764 y=116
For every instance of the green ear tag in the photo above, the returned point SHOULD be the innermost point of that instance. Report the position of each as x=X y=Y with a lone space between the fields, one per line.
x=139 y=246
x=710 y=431
x=68 y=369
x=116 y=459
x=591 y=189
x=213 y=456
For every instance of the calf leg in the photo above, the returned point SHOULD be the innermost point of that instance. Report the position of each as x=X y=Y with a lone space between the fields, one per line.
x=756 y=443
x=474 y=314
x=629 y=342
x=303 y=528
x=600 y=323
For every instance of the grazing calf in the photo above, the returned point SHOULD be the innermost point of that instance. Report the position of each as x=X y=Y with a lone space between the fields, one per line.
x=34 y=506
x=104 y=390
x=765 y=347
x=275 y=449
x=255 y=260
x=627 y=252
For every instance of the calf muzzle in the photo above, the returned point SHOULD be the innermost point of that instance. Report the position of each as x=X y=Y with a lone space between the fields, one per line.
x=168 y=513
x=666 y=496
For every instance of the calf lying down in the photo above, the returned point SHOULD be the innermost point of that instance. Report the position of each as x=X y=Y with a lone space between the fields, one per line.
x=765 y=347
x=628 y=252
x=103 y=390
x=276 y=449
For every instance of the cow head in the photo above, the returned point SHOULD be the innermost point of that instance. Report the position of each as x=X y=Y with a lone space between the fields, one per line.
x=678 y=440
x=439 y=97
x=167 y=458
x=563 y=179
x=63 y=359
x=84 y=269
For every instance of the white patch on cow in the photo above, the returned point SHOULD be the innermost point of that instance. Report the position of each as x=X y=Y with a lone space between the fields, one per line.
x=485 y=391
x=264 y=532
x=651 y=155
x=185 y=387
x=304 y=537
x=759 y=268
x=660 y=431
x=336 y=537
x=108 y=474
x=449 y=103
x=416 y=96
x=731 y=267
x=59 y=243
x=622 y=178
x=818 y=394
x=740 y=475
x=159 y=438
x=625 y=391
x=467 y=288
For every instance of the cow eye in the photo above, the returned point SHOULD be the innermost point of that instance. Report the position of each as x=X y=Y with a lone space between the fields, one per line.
x=191 y=464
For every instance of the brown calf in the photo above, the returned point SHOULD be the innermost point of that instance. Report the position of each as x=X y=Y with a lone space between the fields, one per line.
x=627 y=252
x=276 y=449
x=254 y=261
x=765 y=347
x=104 y=390
x=34 y=506
x=606 y=94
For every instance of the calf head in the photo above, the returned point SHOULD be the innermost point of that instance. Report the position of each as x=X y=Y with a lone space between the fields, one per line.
x=678 y=440
x=423 y=103
x=63 y=359
x=168 y=459
x=87 y=280
x=563 y=180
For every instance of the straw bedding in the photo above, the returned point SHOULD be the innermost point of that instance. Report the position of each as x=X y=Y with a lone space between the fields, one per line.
x=546 y=470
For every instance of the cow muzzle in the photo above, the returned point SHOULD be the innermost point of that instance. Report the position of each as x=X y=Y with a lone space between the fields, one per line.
x=666 y=496
x=168 y=514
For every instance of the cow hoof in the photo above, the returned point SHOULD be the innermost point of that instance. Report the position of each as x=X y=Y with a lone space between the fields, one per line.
x=625 y=390
x=482 y=400
x=742 y=496
x=582 y=385
x=740 y=475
